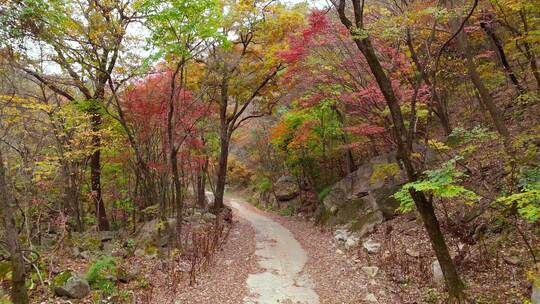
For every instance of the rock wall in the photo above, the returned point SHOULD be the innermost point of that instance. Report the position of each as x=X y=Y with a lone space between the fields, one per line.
x=362 y=201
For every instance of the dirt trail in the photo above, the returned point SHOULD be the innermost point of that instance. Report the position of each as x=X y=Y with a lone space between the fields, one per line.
x=281 y=257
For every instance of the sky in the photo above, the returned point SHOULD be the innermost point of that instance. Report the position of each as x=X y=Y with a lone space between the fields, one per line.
x=312 y=3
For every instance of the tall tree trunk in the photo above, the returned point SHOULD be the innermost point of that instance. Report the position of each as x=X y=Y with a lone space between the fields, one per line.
x=18 y=277
x=95 y=174
x=222 y=168
x=487 y=100
x=453 y=282
x=425 y=207
x=528 y=51
x=73 y=200
x=497 y=44
x=178 y=197
x=201 y=185
x=347 y=155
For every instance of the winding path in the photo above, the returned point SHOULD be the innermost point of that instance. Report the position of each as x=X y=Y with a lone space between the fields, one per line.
x=281 y=257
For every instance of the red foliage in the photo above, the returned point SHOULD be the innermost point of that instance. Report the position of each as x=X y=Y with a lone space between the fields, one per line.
x=146 y=105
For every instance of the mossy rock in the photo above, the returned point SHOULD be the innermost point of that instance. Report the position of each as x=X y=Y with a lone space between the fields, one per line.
x=86 y=242
x=347 y=212
x=61 y=278
x=151 y=211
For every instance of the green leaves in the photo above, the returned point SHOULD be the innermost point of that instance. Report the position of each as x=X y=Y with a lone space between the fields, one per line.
x=178 y=26
x=527 y=201
x=442 y=183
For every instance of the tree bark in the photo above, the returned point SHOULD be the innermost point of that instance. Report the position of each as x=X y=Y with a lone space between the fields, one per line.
x=201 y=185
x=487 y=100
x=222 y=168
x=18 y=275
x=528 y=51
x=497 y=44
x=95 y=174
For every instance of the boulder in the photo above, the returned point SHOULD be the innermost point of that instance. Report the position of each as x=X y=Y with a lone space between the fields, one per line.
x=286 y=188
x=208 y=217
x=156 y=232
x=364 y=197
x=436 y=271
x=371 y=246
x=68 y=284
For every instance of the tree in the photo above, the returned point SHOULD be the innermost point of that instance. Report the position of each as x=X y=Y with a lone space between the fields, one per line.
x=180 y=29
x=18 y=277
x=242 y=74
x=85 y=40
x=362 y=39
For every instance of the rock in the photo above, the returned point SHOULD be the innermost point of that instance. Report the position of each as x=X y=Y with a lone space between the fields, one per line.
x=352 y=241
x=227 y=214
x=120 y=253
x=512 y=260
x=139 y=252
x=70 y=285
x=362 y=199
x=341 y=235
x=86 y=255
x=208 y=217
x=436 y=270
x=413 y=253
x=108 y=248
x=75 y=252
x=371 y=271
x=196 y=216
x=371 y=298
x=106 y=236
x=286 y=188
x=371 y=246
x=156 y=232
x=535 y=296
x=128 y=274
x=339 y=251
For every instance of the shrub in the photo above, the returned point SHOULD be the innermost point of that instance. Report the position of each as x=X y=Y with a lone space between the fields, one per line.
x=102 y=274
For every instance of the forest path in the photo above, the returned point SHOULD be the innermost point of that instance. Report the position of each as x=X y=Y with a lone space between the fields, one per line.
x=282 y=258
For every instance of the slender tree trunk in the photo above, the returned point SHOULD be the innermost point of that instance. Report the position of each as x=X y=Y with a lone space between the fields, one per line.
x=497 y=44
x=18 y=277
x=222 y=168
x=201 y=185
x=425 y=208
x=529 y=52
x=95 y=174
x=178 y=197
x=73 y=194
x=348 y=155
x=485 y=96
x=453 y=282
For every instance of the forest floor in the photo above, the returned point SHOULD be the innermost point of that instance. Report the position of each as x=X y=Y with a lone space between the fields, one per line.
x=275 y=259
